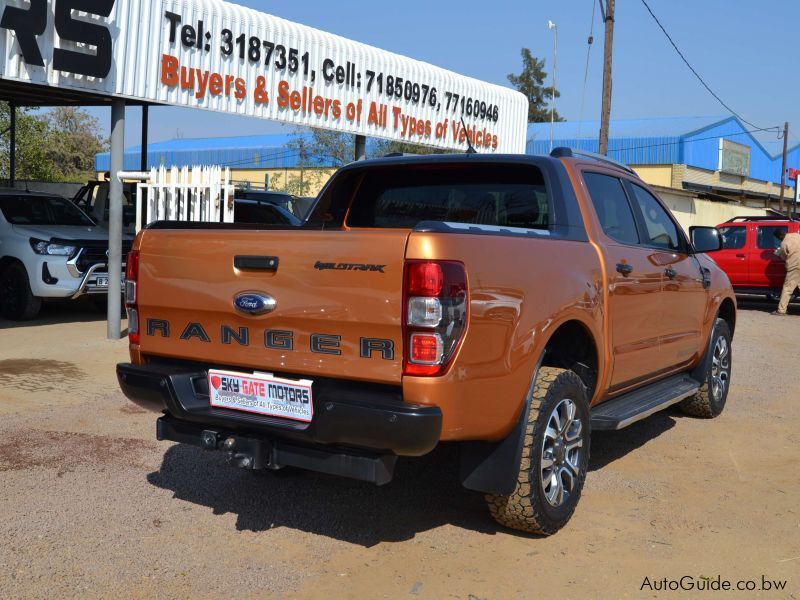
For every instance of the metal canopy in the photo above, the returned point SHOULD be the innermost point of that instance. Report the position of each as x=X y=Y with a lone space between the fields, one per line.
x=31 y=94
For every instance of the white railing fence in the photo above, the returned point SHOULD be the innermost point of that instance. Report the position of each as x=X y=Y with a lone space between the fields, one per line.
x=198 y=194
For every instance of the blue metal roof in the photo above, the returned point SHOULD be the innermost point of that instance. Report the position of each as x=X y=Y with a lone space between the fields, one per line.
x=623 y=128
x=691 y=141
x=242 y=152
x=673 y=140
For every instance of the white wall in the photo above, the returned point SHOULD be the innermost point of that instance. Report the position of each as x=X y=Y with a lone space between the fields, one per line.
x=692 y=211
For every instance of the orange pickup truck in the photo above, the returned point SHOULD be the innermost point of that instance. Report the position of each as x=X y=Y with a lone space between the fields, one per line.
x=508 y=304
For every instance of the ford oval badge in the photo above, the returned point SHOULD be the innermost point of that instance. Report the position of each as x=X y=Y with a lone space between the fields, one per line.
x=254 y=303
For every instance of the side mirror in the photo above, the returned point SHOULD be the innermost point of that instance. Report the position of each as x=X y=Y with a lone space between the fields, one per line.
x=705 y=239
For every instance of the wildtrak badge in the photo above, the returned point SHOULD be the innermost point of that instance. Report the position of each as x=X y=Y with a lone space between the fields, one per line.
x=329 y=266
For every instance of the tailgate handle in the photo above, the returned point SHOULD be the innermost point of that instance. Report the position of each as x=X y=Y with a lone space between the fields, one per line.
x=256 y=263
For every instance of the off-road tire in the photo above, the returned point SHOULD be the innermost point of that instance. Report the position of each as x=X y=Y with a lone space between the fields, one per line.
x=17 y=302
x=704 y=403
x=527 y=508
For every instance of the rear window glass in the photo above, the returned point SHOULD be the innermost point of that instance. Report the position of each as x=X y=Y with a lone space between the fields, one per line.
x=612 y=207
x=499 y=195
x=733 y=238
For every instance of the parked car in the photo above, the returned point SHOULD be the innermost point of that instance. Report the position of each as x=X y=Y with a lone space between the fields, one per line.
x=49 y=248
x=92 y=198
x=262 y=212
x=508 y=304
x=748 y=253
x=296 y=205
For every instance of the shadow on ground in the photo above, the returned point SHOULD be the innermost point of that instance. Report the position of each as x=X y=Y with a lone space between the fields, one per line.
x=425 y=493
x=761 y=304
x=82 y=310
x=608 y=446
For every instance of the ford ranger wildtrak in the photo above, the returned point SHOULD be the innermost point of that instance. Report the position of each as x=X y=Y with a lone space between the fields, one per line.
x=508 y=304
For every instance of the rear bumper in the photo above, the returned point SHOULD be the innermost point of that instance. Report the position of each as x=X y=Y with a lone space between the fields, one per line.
x=368 y=417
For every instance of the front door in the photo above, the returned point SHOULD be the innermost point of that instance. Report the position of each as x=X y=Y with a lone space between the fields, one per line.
x=733 y=257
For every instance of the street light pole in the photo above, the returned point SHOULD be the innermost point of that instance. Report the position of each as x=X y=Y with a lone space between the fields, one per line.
x=554 y=28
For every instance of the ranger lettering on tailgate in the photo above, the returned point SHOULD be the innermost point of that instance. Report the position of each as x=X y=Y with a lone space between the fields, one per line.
x=319 y=343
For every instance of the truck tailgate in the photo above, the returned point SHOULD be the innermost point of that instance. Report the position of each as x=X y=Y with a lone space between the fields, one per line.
x=338 y=300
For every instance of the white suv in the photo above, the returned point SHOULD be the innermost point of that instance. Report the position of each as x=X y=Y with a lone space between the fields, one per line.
x=49 y=248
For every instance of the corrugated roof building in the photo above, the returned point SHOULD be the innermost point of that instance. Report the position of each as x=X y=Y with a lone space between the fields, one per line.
x=712 y=155
x=241 y=152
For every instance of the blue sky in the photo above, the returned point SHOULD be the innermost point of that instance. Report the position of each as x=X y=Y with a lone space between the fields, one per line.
x=744 y=50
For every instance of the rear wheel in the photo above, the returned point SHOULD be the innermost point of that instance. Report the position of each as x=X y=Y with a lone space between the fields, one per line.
x=555 y=457
x=17 y=302
x=710 y=400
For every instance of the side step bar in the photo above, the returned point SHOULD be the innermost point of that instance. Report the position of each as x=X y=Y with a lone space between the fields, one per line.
x=624 y=410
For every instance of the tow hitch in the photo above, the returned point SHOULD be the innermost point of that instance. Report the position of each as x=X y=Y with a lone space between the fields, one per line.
x=268 y=453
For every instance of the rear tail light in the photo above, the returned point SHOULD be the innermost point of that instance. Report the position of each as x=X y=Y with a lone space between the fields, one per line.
x=131 y=296
x=435 y=318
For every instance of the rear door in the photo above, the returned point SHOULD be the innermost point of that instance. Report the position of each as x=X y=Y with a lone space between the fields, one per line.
x=684 y=298
x=733 y=257
x=337 y=294
x=634 y=282
x=766 y=268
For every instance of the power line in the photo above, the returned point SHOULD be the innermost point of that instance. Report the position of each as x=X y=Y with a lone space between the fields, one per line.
x=701 y=80
x=713 y=137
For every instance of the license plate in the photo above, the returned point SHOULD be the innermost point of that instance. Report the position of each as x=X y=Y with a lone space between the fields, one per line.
x=102 y=282
x=261 y=393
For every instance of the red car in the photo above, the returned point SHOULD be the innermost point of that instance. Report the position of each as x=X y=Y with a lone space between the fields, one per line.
x=748 y=253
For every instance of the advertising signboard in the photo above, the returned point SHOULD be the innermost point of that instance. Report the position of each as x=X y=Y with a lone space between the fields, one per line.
x=218 y=56
x=734 y=158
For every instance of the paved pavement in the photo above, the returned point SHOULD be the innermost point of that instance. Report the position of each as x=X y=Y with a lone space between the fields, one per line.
x=93 y=506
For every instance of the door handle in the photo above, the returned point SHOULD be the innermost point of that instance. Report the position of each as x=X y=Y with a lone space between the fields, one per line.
x=740 y=256
x=256 y=263
x=670 y=272
x=624 y=268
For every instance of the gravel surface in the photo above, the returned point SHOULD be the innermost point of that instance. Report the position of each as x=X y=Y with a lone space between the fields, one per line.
x=93 y=506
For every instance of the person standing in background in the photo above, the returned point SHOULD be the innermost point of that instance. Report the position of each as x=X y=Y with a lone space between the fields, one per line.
x=789 y=251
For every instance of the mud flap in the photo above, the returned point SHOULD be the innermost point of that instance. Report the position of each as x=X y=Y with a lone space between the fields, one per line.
x=493 y=467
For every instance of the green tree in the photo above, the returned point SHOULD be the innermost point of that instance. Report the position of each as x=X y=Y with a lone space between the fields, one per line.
x=32 y=137
x=75 y=138
x=532 y=82
x=329 y=148
x=384 y=147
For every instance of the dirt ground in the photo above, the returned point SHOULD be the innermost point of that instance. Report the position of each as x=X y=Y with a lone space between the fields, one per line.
x=92 y=506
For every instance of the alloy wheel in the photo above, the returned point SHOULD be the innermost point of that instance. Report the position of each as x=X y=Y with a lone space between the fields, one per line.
x=720 y=368
x=562 y=453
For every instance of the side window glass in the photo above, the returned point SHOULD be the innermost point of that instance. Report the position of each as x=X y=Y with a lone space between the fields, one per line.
x=733 y=238
x=612 y=207
x=766 y=239
x=662 y=231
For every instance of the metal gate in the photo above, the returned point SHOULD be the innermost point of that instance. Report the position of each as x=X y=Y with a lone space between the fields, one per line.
x=198 y=194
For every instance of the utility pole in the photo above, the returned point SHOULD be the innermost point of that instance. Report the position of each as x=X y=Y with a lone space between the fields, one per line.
x=605 y=117
x=783 y=168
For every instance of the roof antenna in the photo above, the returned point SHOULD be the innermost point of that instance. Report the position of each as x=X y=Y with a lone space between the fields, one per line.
x=470 y=147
